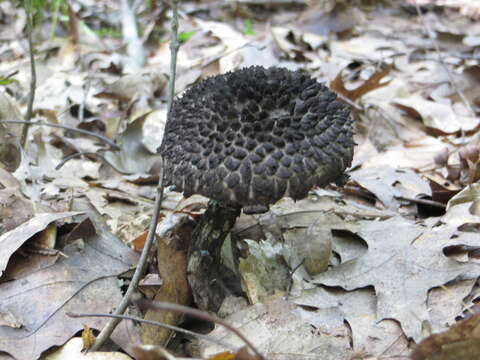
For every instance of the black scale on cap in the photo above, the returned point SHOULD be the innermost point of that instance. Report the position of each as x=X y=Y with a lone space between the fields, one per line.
x=252 y=136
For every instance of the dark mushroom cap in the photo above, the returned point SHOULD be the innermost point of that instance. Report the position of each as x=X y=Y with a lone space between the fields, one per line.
x=249 y=137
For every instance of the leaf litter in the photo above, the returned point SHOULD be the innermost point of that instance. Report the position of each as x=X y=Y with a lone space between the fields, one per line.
x=392 y=269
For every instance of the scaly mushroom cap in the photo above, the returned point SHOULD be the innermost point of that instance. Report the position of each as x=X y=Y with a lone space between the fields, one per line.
x=249 y=137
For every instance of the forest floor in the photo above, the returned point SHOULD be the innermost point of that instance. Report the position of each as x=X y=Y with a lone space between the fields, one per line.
x=402 y=236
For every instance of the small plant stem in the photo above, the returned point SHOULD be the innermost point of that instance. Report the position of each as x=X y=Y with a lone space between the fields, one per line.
x=33 y=78
x=174 y=45
x=108 y=329
x=112 y=324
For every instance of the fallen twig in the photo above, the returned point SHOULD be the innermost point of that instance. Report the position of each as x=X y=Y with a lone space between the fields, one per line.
x=80 y=131
x=156 y=323
x=112 y=324
x=33 y=76
x=422 y=201
x=89 y=153
x=202 y=315
x=142 y=262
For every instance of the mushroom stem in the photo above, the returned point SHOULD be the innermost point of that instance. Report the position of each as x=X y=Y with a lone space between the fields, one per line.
x=207 y=277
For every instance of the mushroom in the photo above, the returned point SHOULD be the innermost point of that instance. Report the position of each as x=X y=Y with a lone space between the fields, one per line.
x=246 y=139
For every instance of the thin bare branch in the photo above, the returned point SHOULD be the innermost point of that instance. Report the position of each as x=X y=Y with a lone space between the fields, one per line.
x=174 y=45
x=112 y=324
x=89 y=153
x=423 y=201
x=202 y=315
x=80 y=131
x=33 y=73
x=159 y=324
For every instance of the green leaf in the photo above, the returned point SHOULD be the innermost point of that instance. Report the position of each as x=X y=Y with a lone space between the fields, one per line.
x=6 y=81
x=110 y=32
x=248 y=27
x=184 y=36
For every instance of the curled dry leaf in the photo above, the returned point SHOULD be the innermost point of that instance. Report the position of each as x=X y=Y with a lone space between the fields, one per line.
x=439 y=118
x=13 y=239
x=45 y=239
x=172 y=268
x=83 y=281
x=442 y=189
x=461 y=169
x=387 y=183
x=372 y=83
x=88 y=338
x=470 y=195
x=460 y=342
x=470 y=161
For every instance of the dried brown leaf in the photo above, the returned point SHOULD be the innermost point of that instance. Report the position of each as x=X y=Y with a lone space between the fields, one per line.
x=460 y=342
x=88 y=338
x=403 y=263
x=372 y=83
x=13 y=239
x=172 y=268
x=85 y=280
